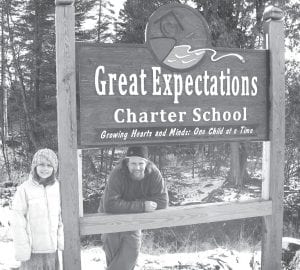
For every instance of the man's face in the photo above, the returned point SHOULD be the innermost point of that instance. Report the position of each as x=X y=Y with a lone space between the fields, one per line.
x=136 y=167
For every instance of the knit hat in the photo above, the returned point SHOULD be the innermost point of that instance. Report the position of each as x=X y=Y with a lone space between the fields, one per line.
x=45 y=155
x=138 y=151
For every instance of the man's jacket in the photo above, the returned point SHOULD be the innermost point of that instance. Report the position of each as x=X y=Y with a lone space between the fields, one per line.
x=124 y=195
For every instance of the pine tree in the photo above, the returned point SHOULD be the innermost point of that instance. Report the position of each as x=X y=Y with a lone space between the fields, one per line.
x=104 y=18
x=82 y=9
x=105 y=21
x=39 y=35
x=133 y=19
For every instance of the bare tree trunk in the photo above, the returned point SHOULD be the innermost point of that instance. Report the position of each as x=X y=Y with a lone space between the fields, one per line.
x=106 y=171
x=194 y=153
x=99 y=22
x=235 y=169
x=160 y=160
x=102 y=160
x=257 y=29
x=28 y=120
x=112 y=158
x=3 y=97
x=238 y=171
x=37 y=57
x=243 y=161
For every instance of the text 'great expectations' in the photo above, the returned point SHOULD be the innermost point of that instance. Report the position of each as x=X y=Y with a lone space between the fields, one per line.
x=173 y=85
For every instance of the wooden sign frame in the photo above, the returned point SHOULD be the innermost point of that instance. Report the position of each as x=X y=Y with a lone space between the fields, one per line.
x=270 y=206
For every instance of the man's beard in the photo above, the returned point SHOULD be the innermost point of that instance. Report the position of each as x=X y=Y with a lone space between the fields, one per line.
x=139 y=175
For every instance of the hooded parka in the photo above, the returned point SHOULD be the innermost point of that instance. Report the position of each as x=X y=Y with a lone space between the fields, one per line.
x=36 y=214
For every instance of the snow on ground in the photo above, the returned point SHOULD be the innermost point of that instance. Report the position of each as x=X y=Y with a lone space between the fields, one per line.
x=194 y=189
x=230 y=195
x=199 y=187
x=93 y=258
x=7 y=260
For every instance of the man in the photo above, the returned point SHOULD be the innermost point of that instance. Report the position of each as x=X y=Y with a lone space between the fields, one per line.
x=135 y=185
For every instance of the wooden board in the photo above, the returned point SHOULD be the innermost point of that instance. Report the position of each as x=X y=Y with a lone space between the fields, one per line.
x=173 y=216
x=146 y=103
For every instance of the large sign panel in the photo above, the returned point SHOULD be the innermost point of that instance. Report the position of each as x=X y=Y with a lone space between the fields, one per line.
x=176 y=88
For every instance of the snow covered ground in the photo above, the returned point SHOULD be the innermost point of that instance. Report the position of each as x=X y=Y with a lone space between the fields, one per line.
x=93 y=257
x=196 y=189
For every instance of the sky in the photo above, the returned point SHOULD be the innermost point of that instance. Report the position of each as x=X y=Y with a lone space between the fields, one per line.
x=118 y=5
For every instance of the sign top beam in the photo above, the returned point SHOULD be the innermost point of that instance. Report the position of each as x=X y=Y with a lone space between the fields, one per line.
x=64 y=2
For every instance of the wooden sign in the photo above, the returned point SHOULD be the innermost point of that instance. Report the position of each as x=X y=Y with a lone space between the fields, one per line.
x=191 y=92
x=185 y=92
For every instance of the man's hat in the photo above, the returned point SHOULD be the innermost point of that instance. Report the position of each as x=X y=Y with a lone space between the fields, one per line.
x=137 y=151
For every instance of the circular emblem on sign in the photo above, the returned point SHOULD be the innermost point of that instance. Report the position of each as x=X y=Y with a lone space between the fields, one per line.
x=177 y=34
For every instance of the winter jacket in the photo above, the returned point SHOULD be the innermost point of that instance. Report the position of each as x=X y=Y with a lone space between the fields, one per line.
x=36 y=219
x=124 y=195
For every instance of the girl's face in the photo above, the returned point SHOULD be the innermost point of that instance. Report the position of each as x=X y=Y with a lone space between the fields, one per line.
x=44 y=170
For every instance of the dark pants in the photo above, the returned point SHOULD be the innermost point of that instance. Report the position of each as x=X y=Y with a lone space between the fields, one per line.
x=41 y=261
x=121 y=249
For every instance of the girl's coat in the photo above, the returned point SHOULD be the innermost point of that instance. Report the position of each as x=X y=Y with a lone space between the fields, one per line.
x=36 y=219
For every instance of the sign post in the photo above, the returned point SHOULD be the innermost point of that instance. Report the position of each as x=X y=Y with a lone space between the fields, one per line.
x=274 y=149
x=67 y=130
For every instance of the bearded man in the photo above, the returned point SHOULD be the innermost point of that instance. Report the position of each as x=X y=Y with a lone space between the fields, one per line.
x=135 y=185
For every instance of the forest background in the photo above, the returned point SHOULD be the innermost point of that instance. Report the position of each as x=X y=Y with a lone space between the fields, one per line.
x=28 y=99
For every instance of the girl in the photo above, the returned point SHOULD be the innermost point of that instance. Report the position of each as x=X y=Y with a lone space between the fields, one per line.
x=36 y=215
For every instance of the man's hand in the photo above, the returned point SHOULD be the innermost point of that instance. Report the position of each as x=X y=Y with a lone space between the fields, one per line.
x=150 y=206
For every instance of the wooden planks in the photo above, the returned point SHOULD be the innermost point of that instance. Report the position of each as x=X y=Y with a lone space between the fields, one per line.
x=174 y=216
x=67 y=133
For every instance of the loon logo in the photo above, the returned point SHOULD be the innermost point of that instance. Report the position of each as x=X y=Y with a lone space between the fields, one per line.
x=178 y=36
x=174 y=34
